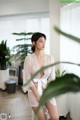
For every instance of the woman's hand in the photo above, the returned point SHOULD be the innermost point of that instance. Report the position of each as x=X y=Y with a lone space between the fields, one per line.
x=44 y=86
x=38 y=97
x=35 y=91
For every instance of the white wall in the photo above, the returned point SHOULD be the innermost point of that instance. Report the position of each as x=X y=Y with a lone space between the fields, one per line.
x=54 y=12
x=8 y=7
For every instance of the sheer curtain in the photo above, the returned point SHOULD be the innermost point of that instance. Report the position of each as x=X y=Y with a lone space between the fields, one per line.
x=33 y=22
x=70 y=51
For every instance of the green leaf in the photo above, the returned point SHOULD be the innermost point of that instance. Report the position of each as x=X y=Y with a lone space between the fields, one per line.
x=4 y=55
x=23 y=49
x=62 y=85
x=57 y=73
x=23 y=33
x=67 y=35
x=23 y=39
x=64 y=71
x=46 y=67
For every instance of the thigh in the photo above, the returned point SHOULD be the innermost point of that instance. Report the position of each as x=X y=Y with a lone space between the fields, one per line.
x=41 y=114
x=32 y=99
x=52 y=110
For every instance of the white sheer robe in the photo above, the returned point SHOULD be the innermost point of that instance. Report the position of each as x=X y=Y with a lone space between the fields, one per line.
x=31 y=65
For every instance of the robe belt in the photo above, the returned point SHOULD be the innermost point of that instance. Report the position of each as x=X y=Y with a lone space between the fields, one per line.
x=41 y=84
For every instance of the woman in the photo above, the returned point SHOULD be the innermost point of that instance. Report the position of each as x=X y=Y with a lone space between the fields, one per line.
x=32 y=63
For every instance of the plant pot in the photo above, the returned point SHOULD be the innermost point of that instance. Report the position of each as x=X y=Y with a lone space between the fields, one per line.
x=4 y=76
x=11 y=86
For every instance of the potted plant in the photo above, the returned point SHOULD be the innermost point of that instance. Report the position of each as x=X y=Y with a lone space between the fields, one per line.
x=4 y=62
x=22 y=50
x=4 y=55
x=59 y=74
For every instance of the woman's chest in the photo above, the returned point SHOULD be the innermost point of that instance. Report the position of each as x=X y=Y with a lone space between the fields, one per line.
x=35 y=66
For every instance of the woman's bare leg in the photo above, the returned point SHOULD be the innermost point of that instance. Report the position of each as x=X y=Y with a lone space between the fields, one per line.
x=41 y=114
x=53 y=112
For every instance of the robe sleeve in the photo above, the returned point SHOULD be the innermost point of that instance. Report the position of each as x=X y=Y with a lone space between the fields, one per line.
x=27 y=74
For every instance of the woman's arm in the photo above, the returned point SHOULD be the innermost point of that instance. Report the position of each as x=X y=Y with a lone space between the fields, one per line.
x=27 y=72
x=35 y=91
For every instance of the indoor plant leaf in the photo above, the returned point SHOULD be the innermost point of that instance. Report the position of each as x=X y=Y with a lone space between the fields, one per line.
x=22 y=50
x=46 y=67
x=23 y=33
x=4 y=55
x=61 y=85
x=67 y=35
x=23 y=39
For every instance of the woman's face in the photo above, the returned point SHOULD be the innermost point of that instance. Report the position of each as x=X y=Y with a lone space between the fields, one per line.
x=40 y=44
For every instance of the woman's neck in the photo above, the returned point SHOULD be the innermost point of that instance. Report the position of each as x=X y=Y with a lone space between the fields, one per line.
x=39 y=53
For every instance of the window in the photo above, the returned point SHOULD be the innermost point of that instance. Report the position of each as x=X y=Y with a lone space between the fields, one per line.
x=70 y=22
x=36 y=22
